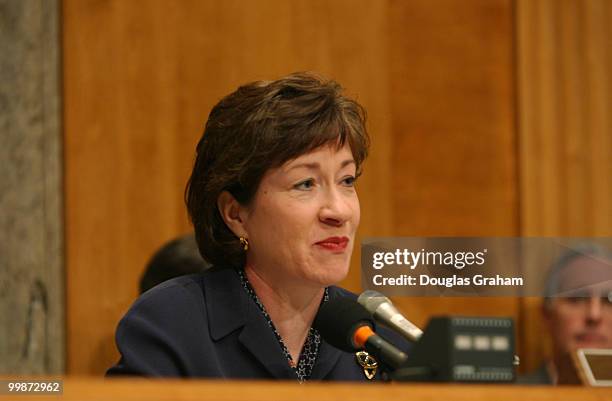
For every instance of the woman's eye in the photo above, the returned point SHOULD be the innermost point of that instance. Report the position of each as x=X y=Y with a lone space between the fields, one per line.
x=304 y=185
x=348 y=181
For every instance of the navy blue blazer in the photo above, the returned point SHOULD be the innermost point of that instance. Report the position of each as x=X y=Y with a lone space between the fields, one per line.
x=206 y=325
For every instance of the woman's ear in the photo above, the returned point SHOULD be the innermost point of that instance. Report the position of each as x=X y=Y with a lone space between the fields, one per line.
x=231 y=212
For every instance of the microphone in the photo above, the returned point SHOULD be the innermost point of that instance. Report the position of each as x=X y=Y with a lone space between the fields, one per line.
x=346 y=325
x=383 y=311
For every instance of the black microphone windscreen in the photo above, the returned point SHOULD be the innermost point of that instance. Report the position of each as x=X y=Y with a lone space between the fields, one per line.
x=337 y=321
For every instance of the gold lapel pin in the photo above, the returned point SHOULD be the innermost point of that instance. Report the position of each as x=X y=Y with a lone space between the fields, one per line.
x=368 y=363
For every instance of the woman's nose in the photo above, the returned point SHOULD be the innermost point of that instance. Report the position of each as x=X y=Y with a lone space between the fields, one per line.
x=335 y=209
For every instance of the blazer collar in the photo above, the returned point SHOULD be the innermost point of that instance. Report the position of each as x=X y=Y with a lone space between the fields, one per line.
x=328 y=354
x=225 y=302
x=229 y=308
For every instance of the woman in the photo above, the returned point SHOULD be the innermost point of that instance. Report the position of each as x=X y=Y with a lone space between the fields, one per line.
x=273 y=203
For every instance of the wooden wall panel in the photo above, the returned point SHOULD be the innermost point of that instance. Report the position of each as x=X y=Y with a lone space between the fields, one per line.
x=454 y=152
x=140 y=78
x=565 y=128
x=453 y=118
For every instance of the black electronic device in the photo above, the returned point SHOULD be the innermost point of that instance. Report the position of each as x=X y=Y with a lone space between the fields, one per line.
x=462 y=349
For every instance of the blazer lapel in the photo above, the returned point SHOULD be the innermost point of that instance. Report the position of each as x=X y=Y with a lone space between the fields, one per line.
x=224 y=306
x=328 y=355
x=259 y=339
x=327 y=359
x=229 y=308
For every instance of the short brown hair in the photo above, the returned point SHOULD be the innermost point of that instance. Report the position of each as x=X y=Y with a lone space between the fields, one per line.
x=261 y=126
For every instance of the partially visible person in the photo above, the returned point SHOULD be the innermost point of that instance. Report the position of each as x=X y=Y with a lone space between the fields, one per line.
x=177 y=257
x=577 y=311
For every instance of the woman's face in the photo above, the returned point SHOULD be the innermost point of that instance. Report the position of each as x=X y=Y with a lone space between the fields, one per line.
x=301 y=223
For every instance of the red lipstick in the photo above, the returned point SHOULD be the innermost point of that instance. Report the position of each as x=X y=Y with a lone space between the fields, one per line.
x=338 y=244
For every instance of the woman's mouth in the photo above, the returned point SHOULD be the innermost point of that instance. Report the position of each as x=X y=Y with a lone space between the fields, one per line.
x=337 y=244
